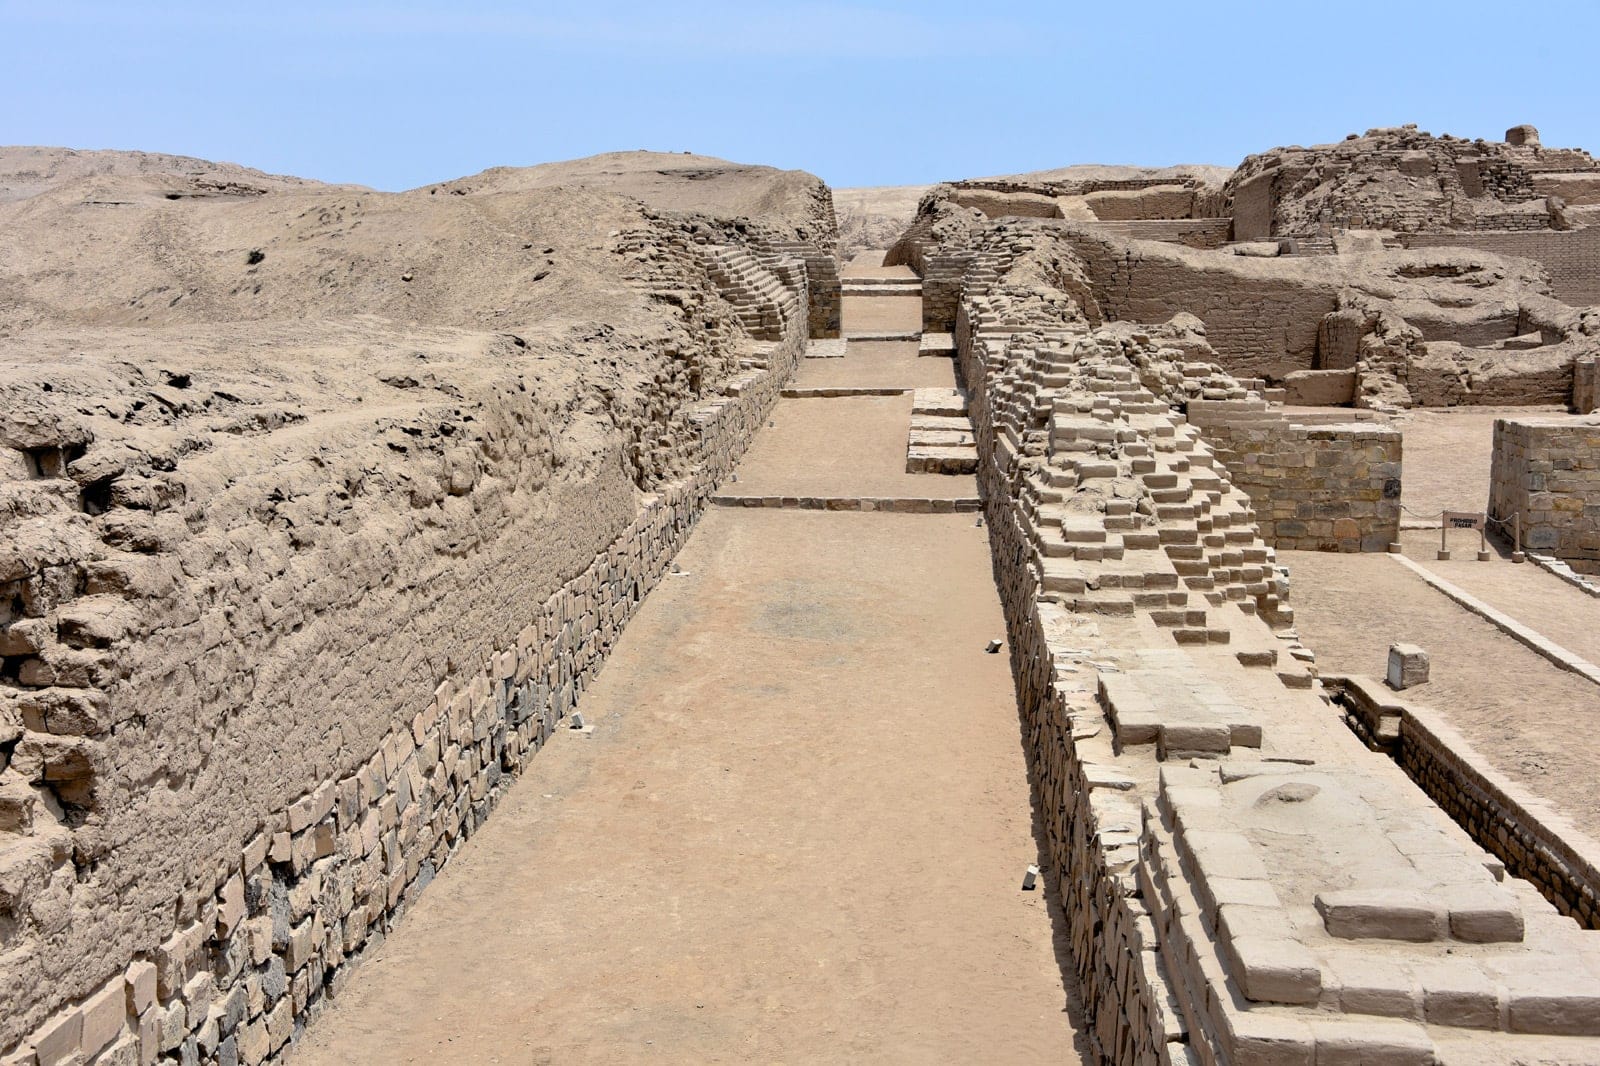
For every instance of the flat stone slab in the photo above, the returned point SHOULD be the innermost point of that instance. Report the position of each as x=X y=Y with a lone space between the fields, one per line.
x=818 y=392
x=948 y=402
x=897 y=504
x=885 y=335
x=936 y=459
x=833 y=348
x=1161 y=698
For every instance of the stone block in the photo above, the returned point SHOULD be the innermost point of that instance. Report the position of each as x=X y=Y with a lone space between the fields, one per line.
x=1275 y=969
x=1458 y=993
x=1408 y=666
x=1371 y=1042
x=1558 y=1000
x=103 y=1016
x=1381 y=914
x=1257 y=1039
x=59 y=1039
x=1375 y=985
x=1483 y=914
x=140 y=984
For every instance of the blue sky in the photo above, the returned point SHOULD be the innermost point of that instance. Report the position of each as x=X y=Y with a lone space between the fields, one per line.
x=396 y=94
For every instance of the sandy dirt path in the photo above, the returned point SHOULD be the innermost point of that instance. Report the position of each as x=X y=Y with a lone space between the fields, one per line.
x=1539 y=724
x=796 y=833
x=1446 y=454
x=879 y=363
x=840 y=446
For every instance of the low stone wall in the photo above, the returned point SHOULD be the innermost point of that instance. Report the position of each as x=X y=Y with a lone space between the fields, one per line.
x=1534 y=842
x=1572 y=257
x=1316 y=488
x=1548 y=471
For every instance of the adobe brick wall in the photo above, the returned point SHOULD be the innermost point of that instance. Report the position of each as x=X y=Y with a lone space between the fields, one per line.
x=1572 y=257
x=1260 y=325
x=1189 y=232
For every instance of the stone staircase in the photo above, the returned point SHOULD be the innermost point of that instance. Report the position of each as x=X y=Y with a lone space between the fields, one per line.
x=853 y=286
x=940 y=439
x=758 y=292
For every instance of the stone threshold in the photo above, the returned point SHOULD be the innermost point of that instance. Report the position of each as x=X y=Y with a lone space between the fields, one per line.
x=1512 y=628
x=892 y=335
x=816 y=392
x=894 y=504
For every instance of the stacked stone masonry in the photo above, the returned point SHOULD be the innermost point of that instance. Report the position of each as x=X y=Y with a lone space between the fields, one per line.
x=1547 y=471
x=1314 y=488
x=1192 y=821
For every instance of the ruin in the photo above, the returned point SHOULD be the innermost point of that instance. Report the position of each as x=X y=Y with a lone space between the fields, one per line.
x=326 y=509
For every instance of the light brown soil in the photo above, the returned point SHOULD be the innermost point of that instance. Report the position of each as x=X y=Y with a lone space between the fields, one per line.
x=881 y=314
x=879 y=363
x=1533 y=596
x=1446 y=455
x=848 y=446
x=796 y=834
x=1532 y=720
x=869 y=264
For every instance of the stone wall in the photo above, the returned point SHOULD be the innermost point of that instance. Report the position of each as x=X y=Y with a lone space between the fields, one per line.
x=1534 y=842
x=1548 y=471
x=822 y=284
x=342 y=662
x=1571 y=257
x=1314 y=488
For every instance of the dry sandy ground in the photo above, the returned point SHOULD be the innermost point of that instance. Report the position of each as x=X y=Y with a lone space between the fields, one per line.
x=796 y=834
x=673 y=181
x=1531 y=719
x=847 y=446
x=874 y=363
x=1446 y=454
x=881 y=314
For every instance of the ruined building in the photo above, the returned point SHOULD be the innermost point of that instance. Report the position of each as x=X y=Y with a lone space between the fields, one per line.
x=324 y=508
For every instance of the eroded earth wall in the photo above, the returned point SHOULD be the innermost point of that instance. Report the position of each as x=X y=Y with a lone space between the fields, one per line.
x=285 y=606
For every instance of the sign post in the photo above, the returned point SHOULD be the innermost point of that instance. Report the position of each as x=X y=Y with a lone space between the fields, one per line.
x=1464 y=520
